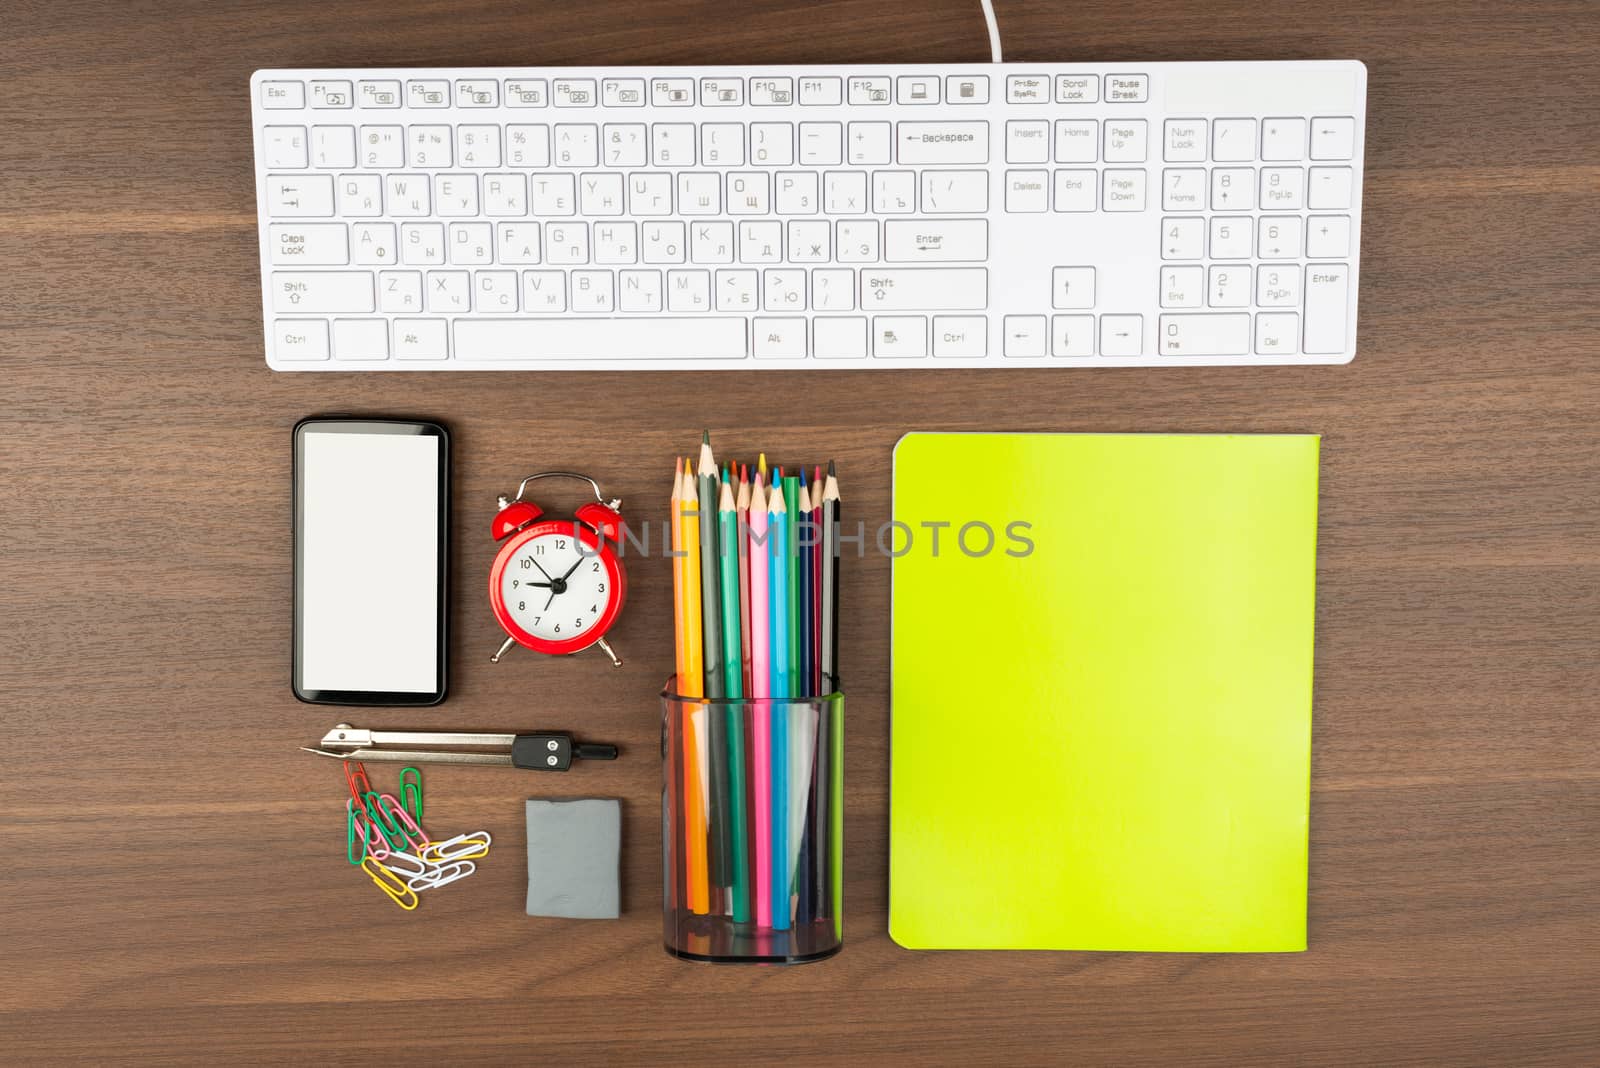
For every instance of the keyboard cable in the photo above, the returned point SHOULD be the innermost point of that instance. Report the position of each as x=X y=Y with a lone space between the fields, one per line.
x=994 y=30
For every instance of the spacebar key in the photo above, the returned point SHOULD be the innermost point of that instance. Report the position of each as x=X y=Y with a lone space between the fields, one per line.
x=599 y=339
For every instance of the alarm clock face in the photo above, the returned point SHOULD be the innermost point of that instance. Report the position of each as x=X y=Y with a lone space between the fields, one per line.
x=559 y=587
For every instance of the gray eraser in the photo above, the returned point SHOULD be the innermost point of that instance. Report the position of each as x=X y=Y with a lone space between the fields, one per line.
x=575 y=858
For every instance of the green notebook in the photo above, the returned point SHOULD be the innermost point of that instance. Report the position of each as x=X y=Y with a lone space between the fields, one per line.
x=1101 y=726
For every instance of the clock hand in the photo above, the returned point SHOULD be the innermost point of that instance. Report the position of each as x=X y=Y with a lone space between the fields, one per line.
x=542 y=571
x=573 y=568
x=551 y=601
x=540 y=585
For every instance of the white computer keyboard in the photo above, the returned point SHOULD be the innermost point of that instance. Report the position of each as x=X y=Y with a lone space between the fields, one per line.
x=988 y=215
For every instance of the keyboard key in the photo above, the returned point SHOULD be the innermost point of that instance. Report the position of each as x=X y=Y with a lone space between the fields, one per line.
x=622 y=92
x=1026 y=335
x=917 y=89
x=1331 y=188
x=1327 y=298
x=1127 y=88
x=422 y=244
x=1077 y=140
x=1075 y=191
x=1282 y=188
x=655 y=340
x=528 y=145
x=1124 y=191
x=1233 y=188
x=779 y=337
x=711 y=242
x=299 y=196
x=1072 y=287
x=1126 y=140
x=333 y=146
x=1230 y=286
x=772 y=144
x=577 y=144
x=1333 y=138
x=1027 y=191
x=1230 y=237
x=1278 y=237
x=894 y=192
x=1028 y=141
x=857 y=241
x=1183 y=189
x=284 y=96
x=809 y=241
x=477 y=93
x=526 y=93
x=421 y=339
x=935 y=240
x=927 y=288
x=839 y=338
x=784 y=290
x=1183 y=287
x=869 y=90
x=544 y=292
x=478 y=146
x=796 y=192
x=615 y=242
x=960 y=335
x=1205 y=335
x=383 y=147
x=640 y=291
x=821 y=144
x=833 y=289
x=373 y=245
x=336 y=94
x=1184 y=141
x=1328 y=236
x=300 y=339
x=672 y=92
x=573 y=93
x=845 y=192
x=771 y=92
x=1077 y=89
x=1027 y=89
x=399 y=291
x=722 y=144
x=455 y=196
x=1283 y=139
x=821 y=93
x=1072 y=335
x=379 y=94
x=735 y=291
x=592 y=292
x=966 y=89
x=284 y=146
x=650 y=193
x=899 y=335
x=868 y=142
x=1277 y=333
x=955 y=192
x=429 y=146
x=1121 y=335
x=322 y=291
x=1233 y=140
x=505 y=195
x=1183 y=239
x=428 y=93
x=672 y=144
x=940 y=143
x=1278 y=286
x=721 y=92
x=361 y=339
x=449 y=292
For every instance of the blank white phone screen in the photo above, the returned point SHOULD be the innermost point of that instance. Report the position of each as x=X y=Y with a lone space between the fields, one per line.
x=369 y=581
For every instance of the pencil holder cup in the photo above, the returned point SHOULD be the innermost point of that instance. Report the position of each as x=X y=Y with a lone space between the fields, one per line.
x=752 y=828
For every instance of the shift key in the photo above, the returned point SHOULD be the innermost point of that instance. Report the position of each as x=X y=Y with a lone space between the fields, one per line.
x=925 y=289
x=322 y=291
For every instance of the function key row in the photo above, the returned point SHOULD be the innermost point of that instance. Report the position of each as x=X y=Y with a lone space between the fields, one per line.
x=867 y=90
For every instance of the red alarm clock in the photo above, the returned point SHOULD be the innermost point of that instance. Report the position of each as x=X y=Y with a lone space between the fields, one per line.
x=557 y=585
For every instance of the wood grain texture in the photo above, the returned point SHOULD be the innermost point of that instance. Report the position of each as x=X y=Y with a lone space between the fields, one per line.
x=174 y=888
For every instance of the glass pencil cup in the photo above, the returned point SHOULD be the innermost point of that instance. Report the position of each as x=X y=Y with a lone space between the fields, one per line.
x=752 y=828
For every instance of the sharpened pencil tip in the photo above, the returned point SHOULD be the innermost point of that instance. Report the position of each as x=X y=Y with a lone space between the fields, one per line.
x=705 y=437
x=831 y=470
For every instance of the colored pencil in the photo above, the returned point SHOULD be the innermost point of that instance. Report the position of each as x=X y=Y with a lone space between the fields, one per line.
x=791 y=503
x=779 y=579
x=721 y=849
x=742 y=504
x=686 y=590
x=733 y=688
x=761 y=687
x=828 y=809
x=802 y=735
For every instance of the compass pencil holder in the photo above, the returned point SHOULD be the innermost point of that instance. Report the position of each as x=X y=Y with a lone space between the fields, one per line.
x=752 y=827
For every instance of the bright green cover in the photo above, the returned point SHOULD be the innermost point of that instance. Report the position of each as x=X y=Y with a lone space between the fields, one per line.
x=1104 y=743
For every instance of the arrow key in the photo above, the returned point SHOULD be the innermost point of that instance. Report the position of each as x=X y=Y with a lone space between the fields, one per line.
x=1121 y=335
x=1026 y=335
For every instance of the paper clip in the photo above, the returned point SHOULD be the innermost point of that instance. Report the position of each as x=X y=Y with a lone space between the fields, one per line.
x=462 y=847
x=441 y=875
x=355 y=834
x=355 y=776
x=414 y=833
x=382 y=817
x=390 y=884
x=411 y=792
x=408 y=866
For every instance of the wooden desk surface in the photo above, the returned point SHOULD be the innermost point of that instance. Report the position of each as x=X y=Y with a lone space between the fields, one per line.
x=174 y=885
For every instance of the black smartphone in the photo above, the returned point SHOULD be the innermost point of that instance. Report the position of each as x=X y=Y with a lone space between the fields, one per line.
x=371 y=560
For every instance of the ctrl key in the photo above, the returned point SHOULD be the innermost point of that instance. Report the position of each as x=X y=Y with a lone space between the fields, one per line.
x=300 y=339
x=960 y=335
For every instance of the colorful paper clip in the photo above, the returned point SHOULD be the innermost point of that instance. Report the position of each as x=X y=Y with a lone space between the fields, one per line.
x=355 y=835
x=415 y=835
x=355 y=775
x=383 y=818
x=442 y=875
x=390 y=884
x=462 y=847
x=411 y=792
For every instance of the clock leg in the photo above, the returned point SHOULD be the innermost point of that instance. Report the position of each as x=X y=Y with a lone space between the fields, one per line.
x=605 y=647
x=495 y=659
